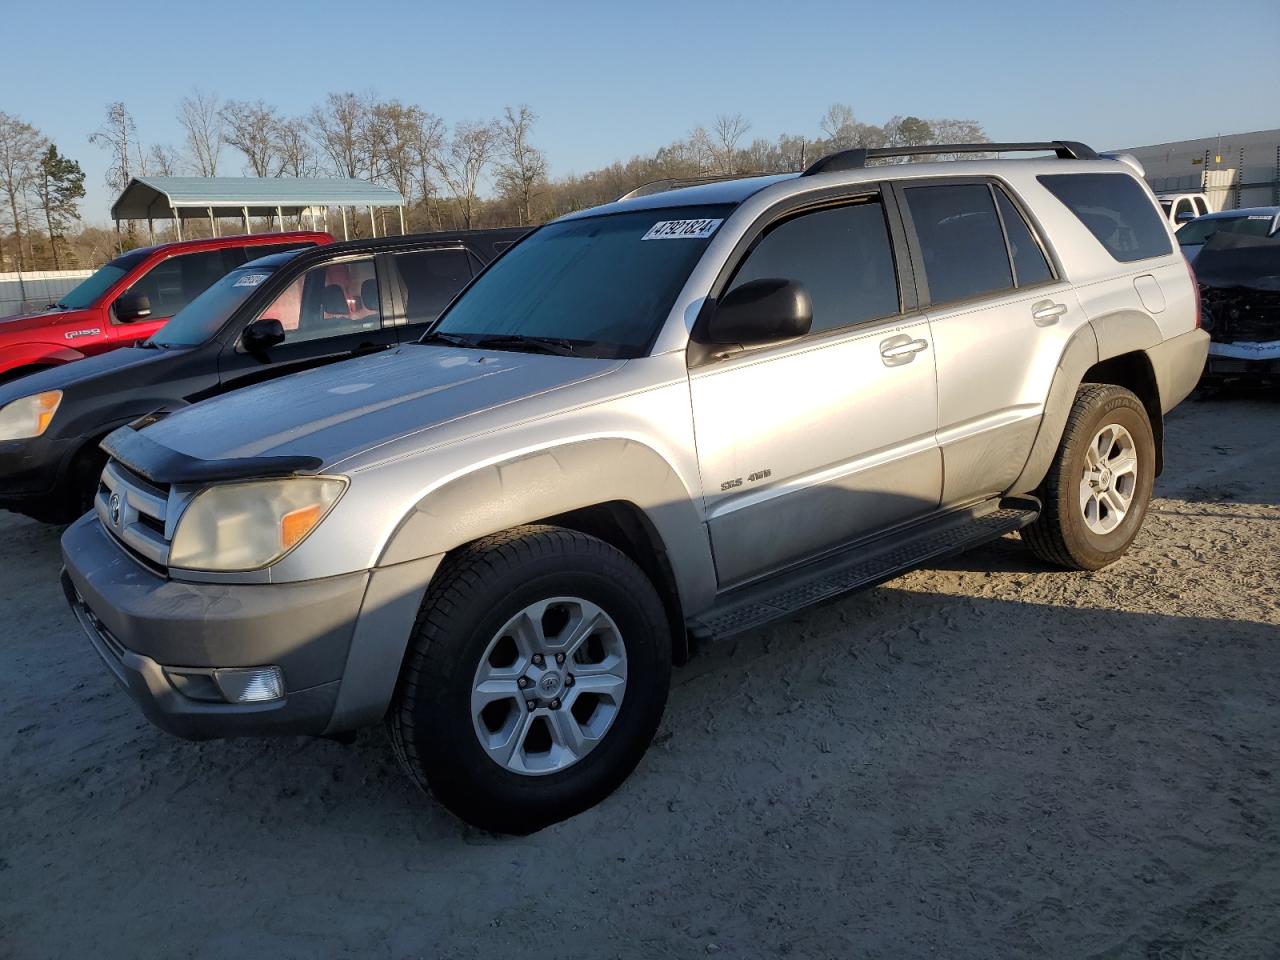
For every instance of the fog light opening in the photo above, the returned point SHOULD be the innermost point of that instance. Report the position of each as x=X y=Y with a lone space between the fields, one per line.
x=250 y=684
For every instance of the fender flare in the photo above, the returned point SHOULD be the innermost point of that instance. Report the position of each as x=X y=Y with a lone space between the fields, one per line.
x=558 y=480
x=1104 y=337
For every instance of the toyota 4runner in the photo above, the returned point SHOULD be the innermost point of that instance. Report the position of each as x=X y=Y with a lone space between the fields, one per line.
x=681 y=415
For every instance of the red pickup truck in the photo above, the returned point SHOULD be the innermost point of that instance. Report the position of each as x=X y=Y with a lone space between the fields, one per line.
x=130 y=298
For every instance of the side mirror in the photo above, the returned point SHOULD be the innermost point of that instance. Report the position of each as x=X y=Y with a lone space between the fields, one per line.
x=262 y=335
x=131 y=307
x=1185 y=217
x=760 y=311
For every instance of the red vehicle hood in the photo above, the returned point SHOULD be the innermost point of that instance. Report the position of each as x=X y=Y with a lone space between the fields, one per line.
x=49 y=319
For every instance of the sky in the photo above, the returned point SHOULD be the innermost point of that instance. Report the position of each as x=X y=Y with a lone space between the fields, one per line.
x=608 y=81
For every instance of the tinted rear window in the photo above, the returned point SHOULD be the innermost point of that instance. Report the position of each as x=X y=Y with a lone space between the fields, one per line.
x=1116 y=210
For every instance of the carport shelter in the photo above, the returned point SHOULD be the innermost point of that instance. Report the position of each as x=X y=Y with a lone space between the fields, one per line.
x=192 y=198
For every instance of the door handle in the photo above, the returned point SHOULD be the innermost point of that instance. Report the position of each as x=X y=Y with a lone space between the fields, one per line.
x=901 y=349
x=1046 y=312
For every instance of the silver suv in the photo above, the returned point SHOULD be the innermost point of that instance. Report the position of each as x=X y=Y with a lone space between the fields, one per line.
x=674 y=417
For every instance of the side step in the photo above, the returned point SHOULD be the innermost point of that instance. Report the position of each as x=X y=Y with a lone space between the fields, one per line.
x=863 y=565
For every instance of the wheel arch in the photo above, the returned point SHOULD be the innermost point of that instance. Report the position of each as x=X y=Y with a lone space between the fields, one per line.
x=1112 y=348
x=617 y=489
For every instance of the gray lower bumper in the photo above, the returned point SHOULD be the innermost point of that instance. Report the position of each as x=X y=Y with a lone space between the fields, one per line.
x=320 y=633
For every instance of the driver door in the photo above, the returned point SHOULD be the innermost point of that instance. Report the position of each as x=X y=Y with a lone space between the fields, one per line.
x=331 y=312
x=809 y=444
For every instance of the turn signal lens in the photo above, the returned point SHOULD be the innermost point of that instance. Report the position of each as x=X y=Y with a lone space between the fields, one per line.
x=29 y=416
x=296 y=524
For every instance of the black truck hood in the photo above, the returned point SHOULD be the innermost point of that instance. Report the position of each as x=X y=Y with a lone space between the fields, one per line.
x=101 y=367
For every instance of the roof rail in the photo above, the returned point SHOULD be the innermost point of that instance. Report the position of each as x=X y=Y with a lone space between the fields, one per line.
x=857 y=159
x=677 y=183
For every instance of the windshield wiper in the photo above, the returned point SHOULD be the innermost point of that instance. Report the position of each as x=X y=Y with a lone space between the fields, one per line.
x=151 y=345
x=449 y=338
x=554 y=345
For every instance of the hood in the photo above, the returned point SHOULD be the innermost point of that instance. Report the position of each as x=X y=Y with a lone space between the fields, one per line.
x=45 y=318
x=336 y=411
x=81 y=371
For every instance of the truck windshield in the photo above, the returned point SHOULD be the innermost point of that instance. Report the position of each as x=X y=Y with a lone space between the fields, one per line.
x=204 y=316
x=86 y=293
x=597 y=287
x=1199 y=231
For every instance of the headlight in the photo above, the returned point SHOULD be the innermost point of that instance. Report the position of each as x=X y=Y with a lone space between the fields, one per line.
x=244 y=526
x=30 y=416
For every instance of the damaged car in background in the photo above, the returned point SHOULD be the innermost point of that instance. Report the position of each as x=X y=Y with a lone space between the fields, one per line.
x=1239 y=278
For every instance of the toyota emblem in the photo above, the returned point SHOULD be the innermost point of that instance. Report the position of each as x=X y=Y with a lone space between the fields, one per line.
x=113 y=507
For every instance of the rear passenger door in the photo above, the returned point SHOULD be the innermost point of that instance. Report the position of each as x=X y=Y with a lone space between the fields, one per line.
x=330 y=312
x=1000 y=317
x=808 y=444
x=424 y=282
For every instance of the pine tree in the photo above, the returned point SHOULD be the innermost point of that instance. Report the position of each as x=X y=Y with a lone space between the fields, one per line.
x=61 y=187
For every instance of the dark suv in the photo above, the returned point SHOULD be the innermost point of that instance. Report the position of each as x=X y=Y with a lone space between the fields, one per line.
x=273 y=316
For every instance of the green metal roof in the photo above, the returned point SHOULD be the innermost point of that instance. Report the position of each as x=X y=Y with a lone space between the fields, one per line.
x=157 y=197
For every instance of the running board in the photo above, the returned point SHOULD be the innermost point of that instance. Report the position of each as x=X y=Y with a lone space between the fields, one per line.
x=865 y=565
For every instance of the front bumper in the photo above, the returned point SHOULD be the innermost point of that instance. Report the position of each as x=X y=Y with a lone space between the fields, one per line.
x=1244 y=359
x=30 y=470
x=140 y=623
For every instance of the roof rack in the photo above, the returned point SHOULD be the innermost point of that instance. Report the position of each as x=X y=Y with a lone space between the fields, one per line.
x=677 y=183
x=857 y=159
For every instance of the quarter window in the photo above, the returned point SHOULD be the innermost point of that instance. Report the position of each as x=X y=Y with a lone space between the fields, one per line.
x=1116 y=210
x=960 y=240
x=330 y=300
x=1029 y=264
x=841 y=255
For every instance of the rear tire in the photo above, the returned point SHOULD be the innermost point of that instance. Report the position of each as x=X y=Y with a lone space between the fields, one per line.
x=1096 y=493
x=478 y=607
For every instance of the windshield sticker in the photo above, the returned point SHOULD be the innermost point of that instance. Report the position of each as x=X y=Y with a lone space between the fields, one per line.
x=682 y=230
x=250 y=280
x=1254 y=216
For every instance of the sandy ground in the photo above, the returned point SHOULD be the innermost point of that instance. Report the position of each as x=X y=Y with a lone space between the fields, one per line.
x=989 y=760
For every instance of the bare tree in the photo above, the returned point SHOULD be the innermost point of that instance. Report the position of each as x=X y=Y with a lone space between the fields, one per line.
x=119 y=135
x=163 y=160
x=729 y=129
x=337 y=128
x=20 y=148
x=524 y=165
x=461 y=165
x=201 y=117
x=296 y=157
x=252 y=128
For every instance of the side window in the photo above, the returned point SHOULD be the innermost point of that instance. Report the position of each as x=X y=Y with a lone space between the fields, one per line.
x=843 y=257
x=1029 y=264
x=331 y=300
x=1201 y=207
x=960 y=240
x=428 y=280
x=174 y=282
x=1184 y=211
x=1116 y=210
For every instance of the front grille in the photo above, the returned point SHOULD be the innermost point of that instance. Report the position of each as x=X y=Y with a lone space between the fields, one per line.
x=135 y=511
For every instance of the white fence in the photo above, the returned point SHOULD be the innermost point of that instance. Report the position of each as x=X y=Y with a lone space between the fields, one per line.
x=33 y=290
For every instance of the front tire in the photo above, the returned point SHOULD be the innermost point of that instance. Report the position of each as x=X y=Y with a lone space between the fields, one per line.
x=535 y=679
x=1096 y=493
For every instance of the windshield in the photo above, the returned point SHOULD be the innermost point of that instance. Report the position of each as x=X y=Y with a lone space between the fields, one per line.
x=1199 y=231
x=600 y=286
x=204 y=316
x=86 y=293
